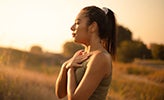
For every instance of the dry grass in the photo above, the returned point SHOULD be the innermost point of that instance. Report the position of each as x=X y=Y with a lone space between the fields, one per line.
x=157 y=76
x=136 y=82
x=19 y=84
x=130 y=82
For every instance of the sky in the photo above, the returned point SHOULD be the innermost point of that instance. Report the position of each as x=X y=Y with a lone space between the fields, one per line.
x=46 y=23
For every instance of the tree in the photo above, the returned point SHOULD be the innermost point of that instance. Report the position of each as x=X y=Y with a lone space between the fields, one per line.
x=69 y=48
x=161 y=53
x=157 y=51
x=129 y=50
x=36 y=50
x=123 y=34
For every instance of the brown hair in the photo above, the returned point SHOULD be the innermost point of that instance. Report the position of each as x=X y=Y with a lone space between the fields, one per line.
x=106 y=24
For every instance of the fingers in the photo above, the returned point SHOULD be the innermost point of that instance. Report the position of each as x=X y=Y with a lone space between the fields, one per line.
x=79 y=52
x=77 y=65
x=77 y=60
x=80 y=59
x=73 y=64
x=85 y=57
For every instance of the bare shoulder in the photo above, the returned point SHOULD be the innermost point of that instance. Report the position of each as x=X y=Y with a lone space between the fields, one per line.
x=102 y=57
x=101 y=61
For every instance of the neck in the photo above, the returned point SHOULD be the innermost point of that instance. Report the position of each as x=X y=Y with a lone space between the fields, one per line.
x=94 y=44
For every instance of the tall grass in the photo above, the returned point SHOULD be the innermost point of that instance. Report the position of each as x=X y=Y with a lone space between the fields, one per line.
x=18 y=84
x=135 y=90
x=130 y=82
x=133 y=82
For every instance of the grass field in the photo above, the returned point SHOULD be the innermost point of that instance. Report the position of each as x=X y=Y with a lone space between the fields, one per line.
x=141 y=80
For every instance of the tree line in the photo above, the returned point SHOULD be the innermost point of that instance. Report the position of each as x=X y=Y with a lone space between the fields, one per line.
x=128 y=48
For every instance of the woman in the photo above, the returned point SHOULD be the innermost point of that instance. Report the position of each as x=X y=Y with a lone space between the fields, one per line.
x=87 y=75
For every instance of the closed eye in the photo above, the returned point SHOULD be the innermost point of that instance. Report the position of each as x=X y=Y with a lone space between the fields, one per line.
x=77 y=21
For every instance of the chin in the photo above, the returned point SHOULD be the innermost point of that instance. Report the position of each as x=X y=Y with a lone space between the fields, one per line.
x=76 y=41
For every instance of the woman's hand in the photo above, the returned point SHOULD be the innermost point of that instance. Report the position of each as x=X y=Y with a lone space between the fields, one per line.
x=77 y=60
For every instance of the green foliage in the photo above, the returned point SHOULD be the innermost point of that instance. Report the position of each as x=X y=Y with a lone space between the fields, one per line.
x=124 y=52
x=157 y=51
x=123 y=34
x=129 y=50
x=69 y=48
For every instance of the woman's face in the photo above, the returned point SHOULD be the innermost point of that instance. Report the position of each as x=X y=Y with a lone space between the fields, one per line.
x=80 y=29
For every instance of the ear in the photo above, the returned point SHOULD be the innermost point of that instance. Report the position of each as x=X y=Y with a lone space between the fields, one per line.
x=93 y=27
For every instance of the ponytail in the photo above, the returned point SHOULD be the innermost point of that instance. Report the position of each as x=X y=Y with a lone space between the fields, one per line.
x=111 y=32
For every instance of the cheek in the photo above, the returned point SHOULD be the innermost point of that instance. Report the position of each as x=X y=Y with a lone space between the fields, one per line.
x=81 y=36
x=84 y=37
x=76 y=26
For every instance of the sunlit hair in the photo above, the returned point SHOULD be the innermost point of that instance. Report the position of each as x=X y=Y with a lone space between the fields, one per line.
x=107 y=26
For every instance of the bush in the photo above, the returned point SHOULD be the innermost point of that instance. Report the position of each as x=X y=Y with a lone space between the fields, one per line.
x=129 y=50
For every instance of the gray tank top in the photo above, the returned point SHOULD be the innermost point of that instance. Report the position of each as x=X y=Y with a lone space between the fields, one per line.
x=101 y=91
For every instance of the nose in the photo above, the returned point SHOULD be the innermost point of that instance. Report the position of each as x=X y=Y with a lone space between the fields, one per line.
x=73 y=27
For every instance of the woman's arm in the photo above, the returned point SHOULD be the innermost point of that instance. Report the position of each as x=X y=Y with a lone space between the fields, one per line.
x=71 y=85
x=61 y=82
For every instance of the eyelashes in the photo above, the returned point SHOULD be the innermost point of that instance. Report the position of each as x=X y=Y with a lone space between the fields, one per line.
x=77 y=23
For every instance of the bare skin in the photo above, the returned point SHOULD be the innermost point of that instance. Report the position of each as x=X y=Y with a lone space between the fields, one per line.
x=96 y=70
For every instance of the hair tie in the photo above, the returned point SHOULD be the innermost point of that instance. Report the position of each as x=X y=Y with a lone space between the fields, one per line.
x=105 y=10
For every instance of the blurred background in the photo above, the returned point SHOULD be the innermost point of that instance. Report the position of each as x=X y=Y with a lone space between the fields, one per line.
x=35 y=39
